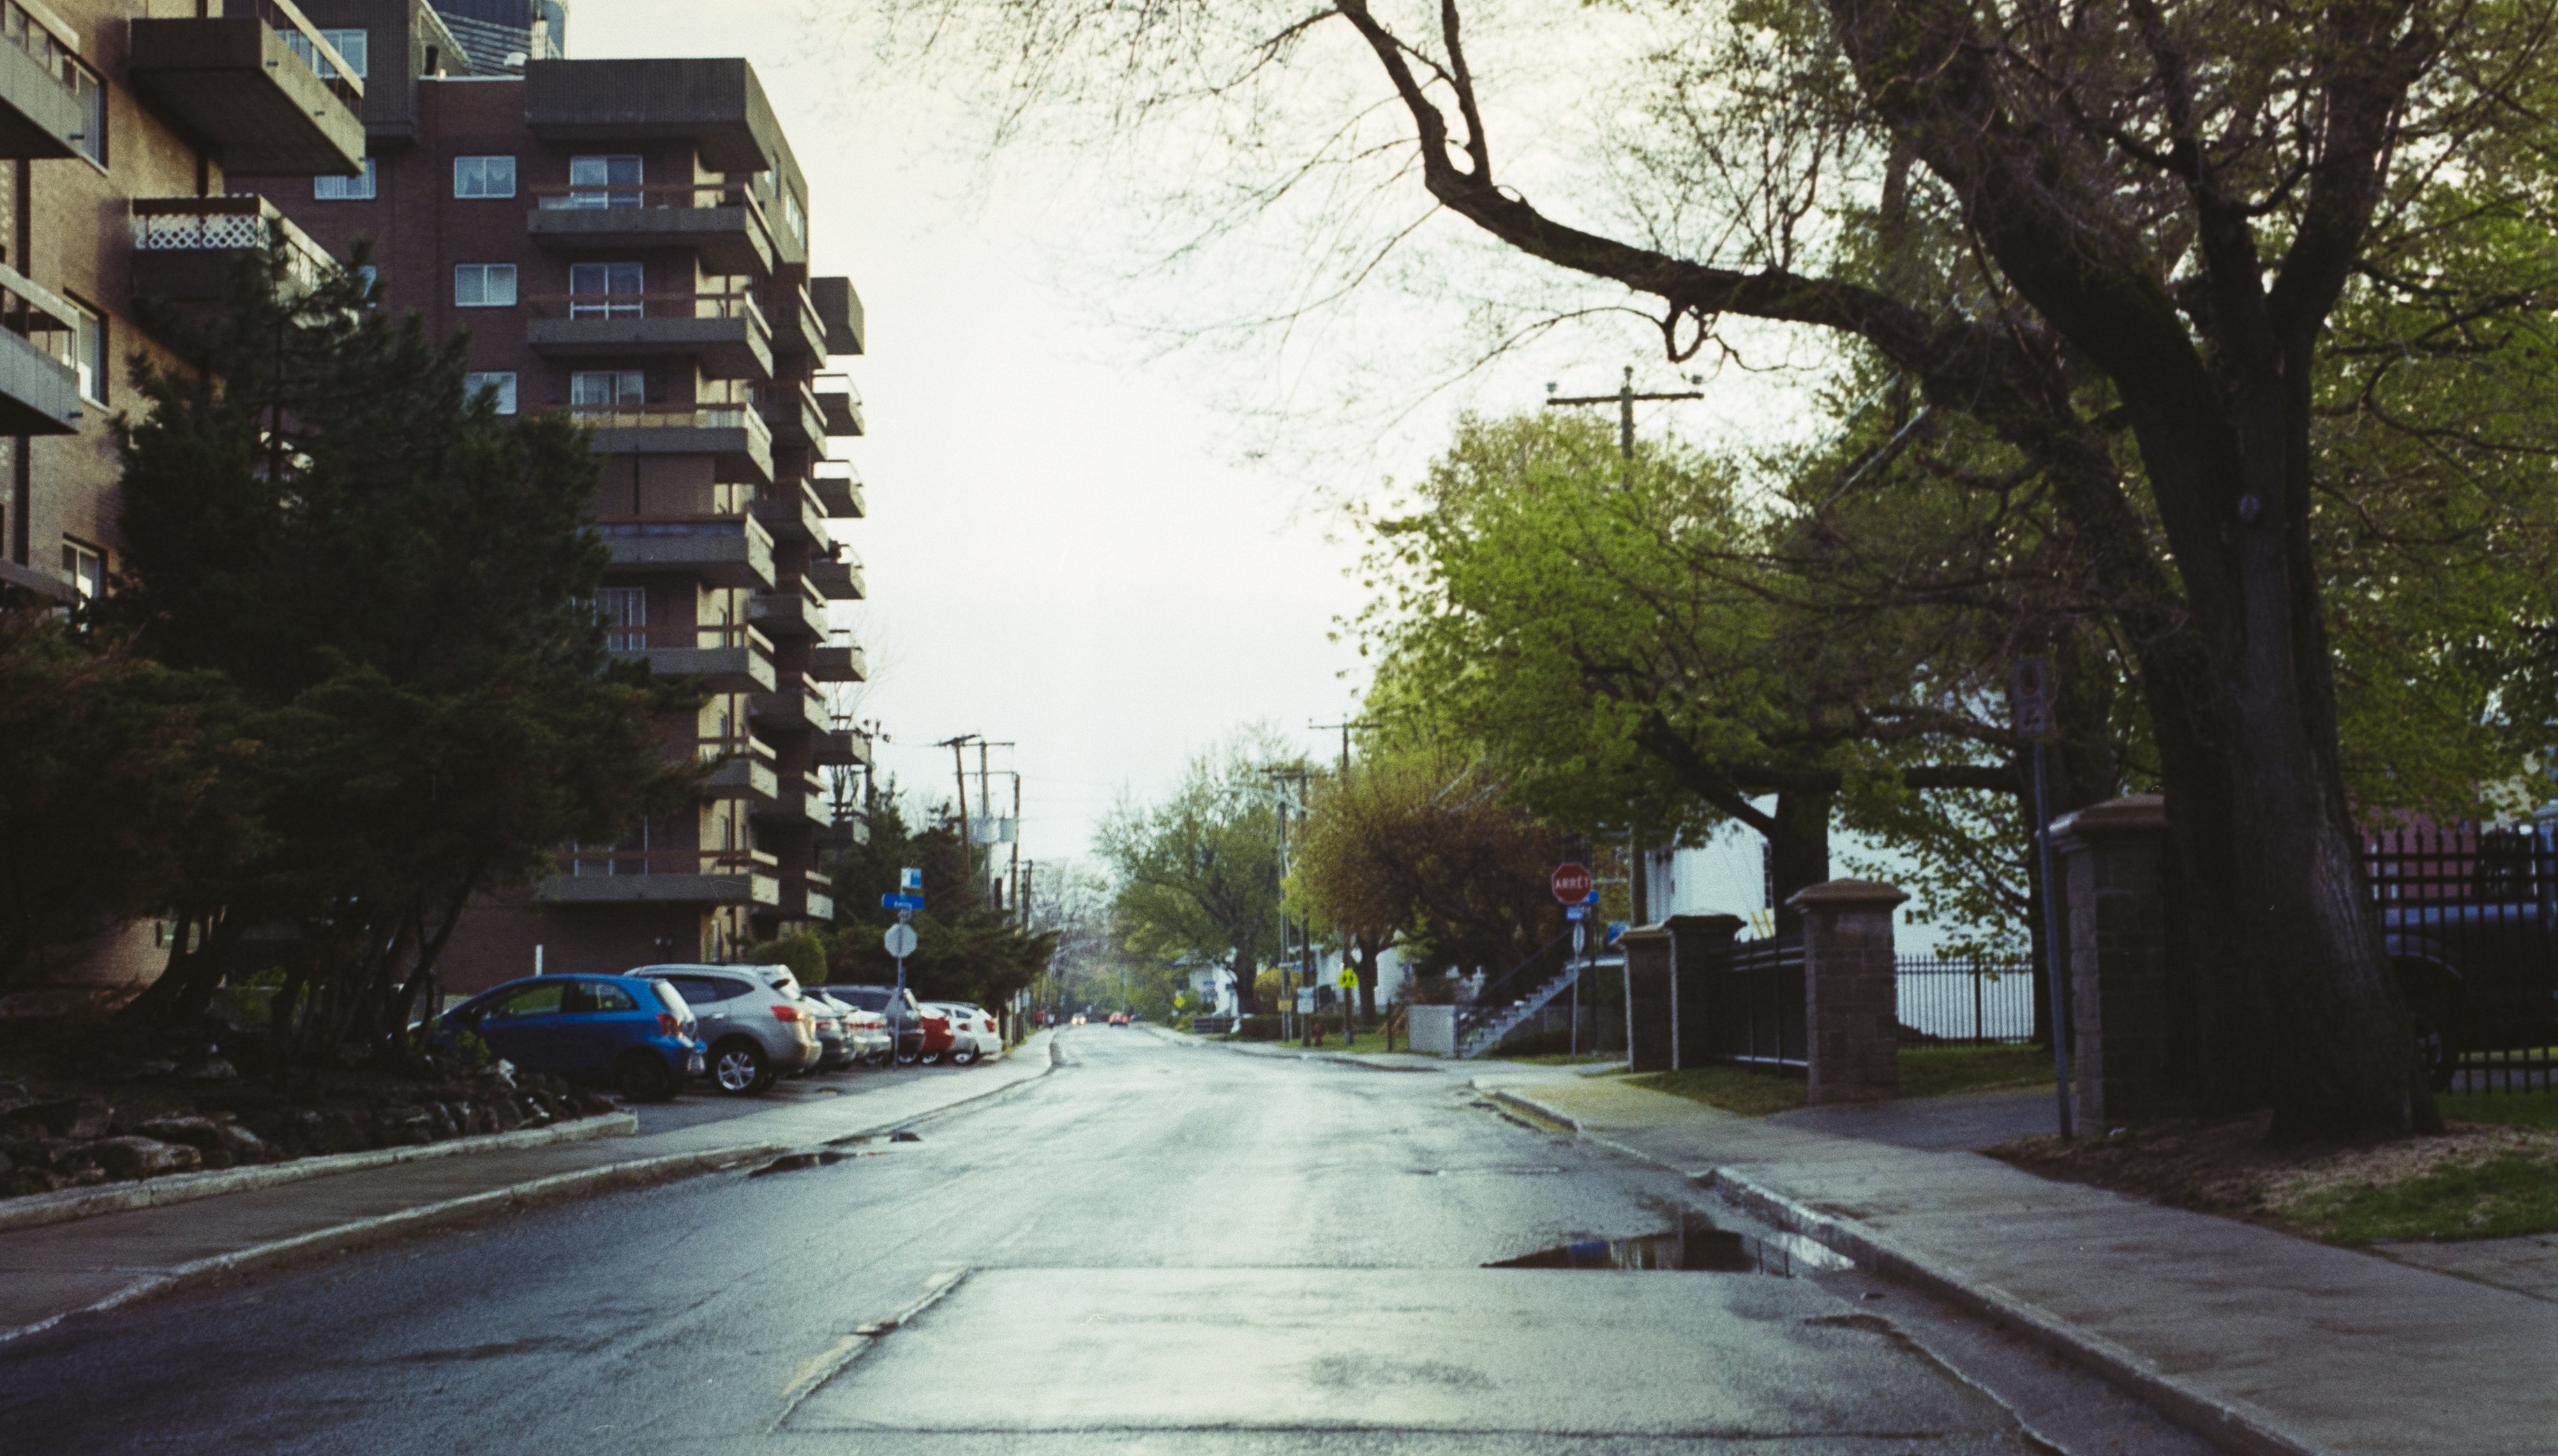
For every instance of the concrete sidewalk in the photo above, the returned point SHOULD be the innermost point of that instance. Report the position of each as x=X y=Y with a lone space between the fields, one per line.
x=51 y=1273
x=2258 y=1340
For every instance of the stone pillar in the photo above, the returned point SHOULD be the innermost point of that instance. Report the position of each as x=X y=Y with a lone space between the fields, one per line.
x=1697 y=946
x=1650 y=1024
x=1851 y=1014
x=2114 y=876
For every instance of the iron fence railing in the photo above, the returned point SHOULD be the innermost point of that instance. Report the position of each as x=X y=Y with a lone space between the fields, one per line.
x=1965 y=999
x=1513 y=986
x=1753 y=1004
x=2469 y=916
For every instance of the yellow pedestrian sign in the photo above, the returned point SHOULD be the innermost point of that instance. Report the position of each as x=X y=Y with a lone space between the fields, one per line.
x=1349 y=980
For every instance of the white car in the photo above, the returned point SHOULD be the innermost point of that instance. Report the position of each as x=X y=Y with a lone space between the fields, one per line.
x=975 y=1036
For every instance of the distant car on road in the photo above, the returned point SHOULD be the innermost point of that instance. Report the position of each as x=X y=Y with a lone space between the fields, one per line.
x=1078 y=1019
x=753 y=1019
x=974 y=1036
x=1118 y=1018
x=634 y=1033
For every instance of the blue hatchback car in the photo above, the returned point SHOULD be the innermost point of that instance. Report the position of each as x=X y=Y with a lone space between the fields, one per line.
x=637 y=1035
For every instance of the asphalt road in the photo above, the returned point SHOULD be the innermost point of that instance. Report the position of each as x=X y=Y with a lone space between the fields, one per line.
x=1157 y=1248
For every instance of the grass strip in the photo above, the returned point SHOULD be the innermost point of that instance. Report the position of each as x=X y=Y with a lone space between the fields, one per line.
x=1925 y=1072
x=2499 y=1196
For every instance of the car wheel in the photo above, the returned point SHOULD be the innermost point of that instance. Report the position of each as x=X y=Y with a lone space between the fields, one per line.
x=645 y=1077
x=961 y=1056
x=738 y=1068
x=931 y=1059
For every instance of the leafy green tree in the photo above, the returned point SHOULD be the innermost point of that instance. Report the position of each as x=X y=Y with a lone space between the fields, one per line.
x=113 y=788
x=967 y=948
x=398 y=585
x=1198 y=870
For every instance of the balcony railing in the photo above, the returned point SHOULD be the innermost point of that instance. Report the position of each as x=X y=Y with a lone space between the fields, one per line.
x=581 y=863
x=48 y=102
x=649 y=306
x=674 y=418
x=236 y=222
x=700 y=636
x=304 y=40
x=39 y=388
x=672 y=195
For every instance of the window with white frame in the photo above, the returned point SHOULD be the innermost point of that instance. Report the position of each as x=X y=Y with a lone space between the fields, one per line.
x=345 y=189
x=90 y=92
x=606 y=290
x=484 y=177
x=353 y=46
x=88 y=353
x=484 y=285
x=794 y=217
x=625 y=610
x=84 y=567
x=499 y=384
x=607 y=388
x=604 y=182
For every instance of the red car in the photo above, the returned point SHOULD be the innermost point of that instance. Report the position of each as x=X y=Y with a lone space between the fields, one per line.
x=938 y=1036
x=1118 y=1018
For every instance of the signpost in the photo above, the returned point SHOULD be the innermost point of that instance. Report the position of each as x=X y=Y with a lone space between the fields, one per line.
x=2032 y=695
x=899 y=943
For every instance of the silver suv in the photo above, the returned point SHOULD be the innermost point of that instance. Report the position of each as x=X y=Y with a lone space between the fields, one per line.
x=753 y=1021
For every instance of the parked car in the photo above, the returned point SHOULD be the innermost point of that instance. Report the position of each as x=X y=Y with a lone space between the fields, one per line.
x=938 y=1037
x=754 y=1021
x=876 y=999
x=638 y=1034
x=871 y=1044
x=974 y=1036
x=861 y=1036
x=834 y=1033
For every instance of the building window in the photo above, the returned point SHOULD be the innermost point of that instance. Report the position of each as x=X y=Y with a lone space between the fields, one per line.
x=484 y=285
x=606 y=290
x=625 y=610
x=84 y=567
x=90 y=92
x=345 y=189
x=604 y=182
x=88 y=353
x=484 y=177
x=353 y=46
x=500 y=386
x=371 y=277
x=794 y=217
x=607 y=388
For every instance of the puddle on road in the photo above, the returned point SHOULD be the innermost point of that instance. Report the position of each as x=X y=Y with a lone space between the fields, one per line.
x=1695 y=1245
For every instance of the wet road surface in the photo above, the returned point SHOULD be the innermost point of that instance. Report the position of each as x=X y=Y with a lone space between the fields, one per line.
x=1157 y=1248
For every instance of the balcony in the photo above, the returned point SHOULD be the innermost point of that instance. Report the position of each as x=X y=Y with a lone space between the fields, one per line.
x=794 y=413
x=821 y=903
x=724 y=333
x=39 y=392
x=715 y=105
x=798 y=710
x=842 y=835
x=713 y=658
x=249 y=84
x=835 y=747
x=839 y=311
x=840 y=406
x=718 y=550
x=841 y=664
x=719 y=223
x=732 y=433
x=743 y=778
x=797 y=328
x=40 y=114
x=184 y=248
x=791 y=612
x=653 y=877
x=837 y=581
x=841 y=495
x=796 y=517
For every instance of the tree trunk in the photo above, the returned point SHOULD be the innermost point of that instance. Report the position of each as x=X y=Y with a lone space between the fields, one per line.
x=1799 y=851
x=1366 y=964
x=1245 y=1004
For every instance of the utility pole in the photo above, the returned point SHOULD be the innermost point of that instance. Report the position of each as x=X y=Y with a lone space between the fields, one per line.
x=1346 y=738
x=1016 y=876
x=1625 y=399
x=959 y=771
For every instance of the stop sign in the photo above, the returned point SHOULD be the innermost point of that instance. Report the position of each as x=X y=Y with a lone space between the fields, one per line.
x=1572 y=883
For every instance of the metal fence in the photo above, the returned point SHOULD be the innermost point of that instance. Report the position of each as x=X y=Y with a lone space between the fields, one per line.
x=2467 y=915
x=1965 y=999
x=1753 y=1004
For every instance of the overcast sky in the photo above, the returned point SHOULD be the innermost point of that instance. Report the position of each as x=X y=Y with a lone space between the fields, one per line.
x=1071 y=545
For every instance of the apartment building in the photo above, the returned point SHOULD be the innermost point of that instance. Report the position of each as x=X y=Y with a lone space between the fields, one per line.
x=624 y=240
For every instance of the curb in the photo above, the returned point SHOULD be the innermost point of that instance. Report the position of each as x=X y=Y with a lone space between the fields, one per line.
x=2229 y=1424
x=1535 y=1109
x=357 y=1233
x=36 y=1210
x=553 y=1188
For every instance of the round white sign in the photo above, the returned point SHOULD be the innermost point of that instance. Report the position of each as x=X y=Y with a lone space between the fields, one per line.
x=899 y=940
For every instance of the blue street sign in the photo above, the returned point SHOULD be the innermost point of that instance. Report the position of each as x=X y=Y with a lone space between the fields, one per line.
x=1615 y=930
x=910 y=880
x=900 y=902
x=1594 y=896
x=1575 y=911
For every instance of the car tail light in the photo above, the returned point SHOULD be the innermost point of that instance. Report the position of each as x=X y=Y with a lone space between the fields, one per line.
x=667 y=1025
x=786 y=1013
